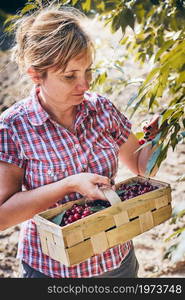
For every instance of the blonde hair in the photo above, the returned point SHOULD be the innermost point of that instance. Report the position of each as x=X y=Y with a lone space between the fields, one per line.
x=49 y=38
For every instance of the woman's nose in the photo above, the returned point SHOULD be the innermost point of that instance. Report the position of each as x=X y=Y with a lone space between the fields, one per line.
x=83 y=85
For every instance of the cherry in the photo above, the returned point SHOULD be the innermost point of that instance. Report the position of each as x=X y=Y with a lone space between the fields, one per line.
x=79 y=209
x=77 y=216
x=71 y=219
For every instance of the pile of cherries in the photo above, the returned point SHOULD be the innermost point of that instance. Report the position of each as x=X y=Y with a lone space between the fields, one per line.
x=125 y=191
x=78 y=211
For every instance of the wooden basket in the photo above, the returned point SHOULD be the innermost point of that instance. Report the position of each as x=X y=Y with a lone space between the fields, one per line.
x=122 y=221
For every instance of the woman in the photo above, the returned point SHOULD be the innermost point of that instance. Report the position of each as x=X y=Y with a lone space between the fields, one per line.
x=61 y=142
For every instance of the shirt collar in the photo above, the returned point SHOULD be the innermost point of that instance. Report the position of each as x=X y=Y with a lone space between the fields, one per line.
x=38 y=116
x=35 y=112
x=89 y=103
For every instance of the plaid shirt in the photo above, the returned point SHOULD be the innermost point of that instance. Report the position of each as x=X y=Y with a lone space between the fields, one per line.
x=48 y=152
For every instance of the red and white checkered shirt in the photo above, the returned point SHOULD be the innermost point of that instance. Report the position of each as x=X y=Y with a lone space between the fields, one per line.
x=48 y=152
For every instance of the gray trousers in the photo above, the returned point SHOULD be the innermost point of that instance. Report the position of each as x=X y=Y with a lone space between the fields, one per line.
x=128 y=269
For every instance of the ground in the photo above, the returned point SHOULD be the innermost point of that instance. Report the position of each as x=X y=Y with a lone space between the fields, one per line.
x=150 y=247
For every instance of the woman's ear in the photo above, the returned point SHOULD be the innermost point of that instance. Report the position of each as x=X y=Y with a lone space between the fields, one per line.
x=34 y=75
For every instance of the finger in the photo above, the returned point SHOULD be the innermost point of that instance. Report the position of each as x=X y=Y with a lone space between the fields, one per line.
x=97 y=194
x=102 y=180
x=101 y=195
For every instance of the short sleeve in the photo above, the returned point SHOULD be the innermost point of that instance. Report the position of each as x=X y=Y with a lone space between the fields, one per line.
x=9 y=152
x=120 y=125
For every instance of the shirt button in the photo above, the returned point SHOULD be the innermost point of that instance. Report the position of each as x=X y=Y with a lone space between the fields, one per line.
x=84 y=167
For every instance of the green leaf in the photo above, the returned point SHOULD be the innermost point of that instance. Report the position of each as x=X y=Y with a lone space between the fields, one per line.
x=177 y=232
x=28 y=7
x=174 y=140
x=139 y=135
x=11 y=18
x=165 y=47
x=151 y=75
x=74 y=2
x=128 y=15
x=138 y=104
x=181 y=78
x=97 y=208
x=86 y=5
x=116 y=23
x=156 y=139
x=152 y=161
x=124 y=40
x=120 y=192
x=183 y=133
x=131 y=100
x=167 y=114
x=101 y=6
x=163 y=154
x=181 y=178
x=58 y=219
x=153 y=96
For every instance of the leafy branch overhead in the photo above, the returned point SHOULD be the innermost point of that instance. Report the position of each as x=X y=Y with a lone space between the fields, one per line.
x=158 y=31
x=152 y=33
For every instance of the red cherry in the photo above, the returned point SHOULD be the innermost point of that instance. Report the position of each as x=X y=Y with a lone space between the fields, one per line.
x=68 y=213
x=79 y=210
x=71 y=219
x=77 y=216
x=142 y=141
x=86 y=213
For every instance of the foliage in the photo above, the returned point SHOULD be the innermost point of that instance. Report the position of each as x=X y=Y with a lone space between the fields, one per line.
x=158 y=39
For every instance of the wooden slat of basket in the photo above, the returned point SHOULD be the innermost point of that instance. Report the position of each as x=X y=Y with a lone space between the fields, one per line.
x=53 y=246
x=80 y=252
x=121 y=218
x=162 y=214
x=118 y=235
x=99 y=224
x=146 y=221
x=106 y=218
x=162 y=201
x=99 y=242
x=159 y=184
x=47 y=225
x=43 y=239
x=102 y=218
x=123 y=233
x=155 y=181
x=52 y=212
x=111 y=196
x=49 y=240
x=141 y=207
x=74 y=237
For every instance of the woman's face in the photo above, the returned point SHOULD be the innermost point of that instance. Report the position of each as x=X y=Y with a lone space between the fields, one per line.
x=67 y=88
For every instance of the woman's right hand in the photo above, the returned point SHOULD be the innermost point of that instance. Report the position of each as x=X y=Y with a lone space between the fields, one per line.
x=88 y=185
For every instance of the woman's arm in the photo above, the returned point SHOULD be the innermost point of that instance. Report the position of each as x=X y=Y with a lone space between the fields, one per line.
x=136 y=161
x=17 y=206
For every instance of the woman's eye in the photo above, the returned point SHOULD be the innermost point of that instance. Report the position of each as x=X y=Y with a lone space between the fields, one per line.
x=69 y=77
x=89 y=71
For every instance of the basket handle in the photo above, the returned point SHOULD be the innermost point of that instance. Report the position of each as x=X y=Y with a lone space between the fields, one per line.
x=111 y=195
